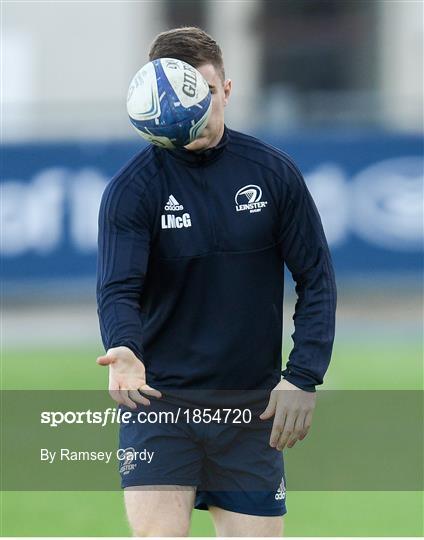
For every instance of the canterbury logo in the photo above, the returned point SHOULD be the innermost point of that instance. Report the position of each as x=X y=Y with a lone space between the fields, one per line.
x=249 y=198
x=173 y=205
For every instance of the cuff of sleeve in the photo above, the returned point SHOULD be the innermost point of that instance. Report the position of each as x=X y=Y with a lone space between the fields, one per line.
x=130 y=345
x=298 y=380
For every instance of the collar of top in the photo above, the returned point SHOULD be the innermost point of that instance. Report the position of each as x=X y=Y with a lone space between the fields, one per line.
x=201 y=157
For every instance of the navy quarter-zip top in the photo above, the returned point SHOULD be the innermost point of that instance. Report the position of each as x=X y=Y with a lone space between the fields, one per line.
x=192 y=248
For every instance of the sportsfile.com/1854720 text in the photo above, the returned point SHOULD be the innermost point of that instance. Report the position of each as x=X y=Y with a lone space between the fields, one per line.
x=119 y=416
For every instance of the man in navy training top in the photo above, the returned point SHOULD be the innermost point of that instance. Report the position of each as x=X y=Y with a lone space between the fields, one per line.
x=192 y=245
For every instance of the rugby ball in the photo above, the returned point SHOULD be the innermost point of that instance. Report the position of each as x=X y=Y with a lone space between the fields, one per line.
x=169 y=102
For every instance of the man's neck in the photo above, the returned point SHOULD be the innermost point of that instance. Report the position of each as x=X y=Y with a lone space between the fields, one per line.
x=211 y=144
x=216 y=139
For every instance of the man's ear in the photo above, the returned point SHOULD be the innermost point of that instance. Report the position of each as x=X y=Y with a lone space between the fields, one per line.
x=228 y=85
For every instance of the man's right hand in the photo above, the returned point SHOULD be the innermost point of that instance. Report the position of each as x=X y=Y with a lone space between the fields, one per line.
x=127 y=377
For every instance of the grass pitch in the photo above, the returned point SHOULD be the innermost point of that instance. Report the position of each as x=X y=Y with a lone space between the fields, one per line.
x=387 y=364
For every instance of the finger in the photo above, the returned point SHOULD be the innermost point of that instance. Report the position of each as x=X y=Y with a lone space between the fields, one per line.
x=105 y=360
x=125 y=400
x=114 y=391
x=277 y=427
x=146 y=389
x=306 y=424
x=137 y=397
x=115 y=395
x=270 y=408
x=287 y=431
x=298 y=430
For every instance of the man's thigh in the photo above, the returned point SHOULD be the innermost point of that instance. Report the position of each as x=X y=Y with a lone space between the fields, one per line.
x=234 y=524
x=159 y=494
x=159 y=510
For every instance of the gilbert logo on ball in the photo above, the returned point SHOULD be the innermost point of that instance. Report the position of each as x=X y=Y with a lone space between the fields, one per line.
x=169 y=102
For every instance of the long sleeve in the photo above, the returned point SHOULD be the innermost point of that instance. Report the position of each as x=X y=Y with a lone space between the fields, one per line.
x=123 y=253
x=306 y=254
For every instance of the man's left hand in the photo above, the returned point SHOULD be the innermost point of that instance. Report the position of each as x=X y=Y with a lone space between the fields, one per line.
x=292 y=409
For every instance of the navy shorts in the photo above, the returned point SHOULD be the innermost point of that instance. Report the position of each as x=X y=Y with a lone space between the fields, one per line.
x=230 y=465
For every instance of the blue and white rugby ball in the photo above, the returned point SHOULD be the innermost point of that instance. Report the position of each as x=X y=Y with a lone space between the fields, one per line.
x=169 y=102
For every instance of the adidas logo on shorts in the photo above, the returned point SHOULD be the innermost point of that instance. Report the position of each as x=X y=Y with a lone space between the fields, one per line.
x=173 y=205
x=281 y=491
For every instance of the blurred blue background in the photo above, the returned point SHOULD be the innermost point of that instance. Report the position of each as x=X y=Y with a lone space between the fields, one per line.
x=367 y=186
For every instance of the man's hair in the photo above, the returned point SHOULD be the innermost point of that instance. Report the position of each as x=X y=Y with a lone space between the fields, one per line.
x=189 y=44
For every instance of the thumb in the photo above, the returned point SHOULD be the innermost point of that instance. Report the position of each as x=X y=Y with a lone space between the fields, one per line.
x=270 y=409
x=105 y=360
